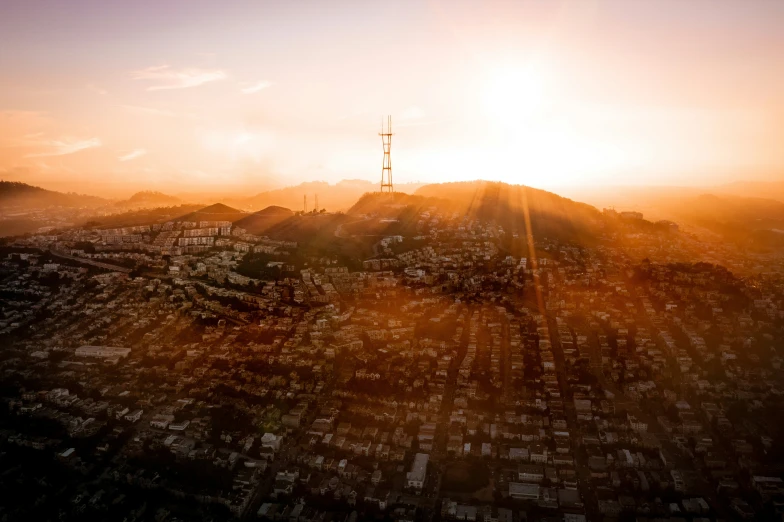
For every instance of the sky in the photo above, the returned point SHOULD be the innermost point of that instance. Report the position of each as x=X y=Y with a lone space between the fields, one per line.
x=187 y=95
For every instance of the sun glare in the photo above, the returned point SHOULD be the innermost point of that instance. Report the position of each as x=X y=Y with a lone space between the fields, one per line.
x=513 y=94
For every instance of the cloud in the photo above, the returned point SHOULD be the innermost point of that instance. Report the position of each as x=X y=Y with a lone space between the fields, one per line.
x=20 y=128
x=136 y=153
x=256 y=87
x=412 y=113
x=67 y=146
x=177 y=78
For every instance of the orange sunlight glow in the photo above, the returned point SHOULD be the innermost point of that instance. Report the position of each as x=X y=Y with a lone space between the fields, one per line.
x=513 y=95
x=550 y=94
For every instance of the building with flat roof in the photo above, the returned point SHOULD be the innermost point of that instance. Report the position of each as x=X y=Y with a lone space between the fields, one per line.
x=523 y=491
x=106 y=352
x=416 y=477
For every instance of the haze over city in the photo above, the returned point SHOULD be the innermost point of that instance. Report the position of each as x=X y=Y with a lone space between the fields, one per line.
x=109 y=98
x=412 y=261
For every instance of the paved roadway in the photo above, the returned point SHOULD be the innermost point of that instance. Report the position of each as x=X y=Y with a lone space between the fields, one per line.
x=98 y=264
x=583 y=474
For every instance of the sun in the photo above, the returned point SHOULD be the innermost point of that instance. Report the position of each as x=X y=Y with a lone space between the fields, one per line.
x=513 y=94
x=530 y=138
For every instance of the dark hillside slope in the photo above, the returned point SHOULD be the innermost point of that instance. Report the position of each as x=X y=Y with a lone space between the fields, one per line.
x=216 y=212
x=24 y=196
x=509 y=206
x=259 y=222
x=550 y=215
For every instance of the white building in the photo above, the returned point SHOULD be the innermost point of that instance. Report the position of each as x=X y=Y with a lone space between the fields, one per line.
x=161 y=421
x=272 y=441
x=134 y=416
x=416 y=477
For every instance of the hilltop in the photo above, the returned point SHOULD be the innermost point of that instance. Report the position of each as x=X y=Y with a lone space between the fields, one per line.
x=143 y=216
x=500 y=203
x=24 y=196
x=149 y=199
x=259 y=222
x=507 y=205
x=216 y=212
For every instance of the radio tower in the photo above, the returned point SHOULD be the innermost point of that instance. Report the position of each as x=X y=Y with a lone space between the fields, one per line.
x=304 y=203
x=386 y=166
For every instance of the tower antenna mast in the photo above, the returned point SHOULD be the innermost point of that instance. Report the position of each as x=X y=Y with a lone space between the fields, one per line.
x=386 y=166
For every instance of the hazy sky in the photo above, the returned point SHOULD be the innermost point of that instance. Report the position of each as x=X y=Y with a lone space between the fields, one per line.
x=108 y=97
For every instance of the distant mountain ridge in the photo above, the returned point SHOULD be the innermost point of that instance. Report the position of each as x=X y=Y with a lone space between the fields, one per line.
x=332 y=197
x=519 y=210
x=749 y=221
x=149 y=199
x=752 y=189
x=18 y=194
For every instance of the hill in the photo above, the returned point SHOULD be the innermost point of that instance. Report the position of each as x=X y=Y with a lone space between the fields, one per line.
x=259 y=222
x=144 y=216
x=752 y=189
x=751 y=222
x=24 y=196
x=509 y=206
x=149 y=199
x=306 y=228
x=316 y=235
x=216 y=212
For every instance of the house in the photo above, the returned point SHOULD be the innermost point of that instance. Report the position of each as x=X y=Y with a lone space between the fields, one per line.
x=519 y=454
x=569 y=498
x=463 y=512
x=134 y=416
x=523 y=491
x=530 y=473
x=179 y=426
x=635 y=424
x=284 y=482
x=161 y=421
x=538 y=453
x=271 y=441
